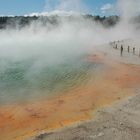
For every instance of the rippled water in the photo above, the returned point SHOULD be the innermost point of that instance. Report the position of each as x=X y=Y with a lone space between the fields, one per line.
x=21 y=81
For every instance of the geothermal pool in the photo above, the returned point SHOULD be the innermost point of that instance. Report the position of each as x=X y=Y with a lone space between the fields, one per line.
x=22 y=81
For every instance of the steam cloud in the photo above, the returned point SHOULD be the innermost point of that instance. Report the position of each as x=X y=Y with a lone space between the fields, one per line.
x=70 y=37
x=66 y=5
x=46 y=46
x=129 y=8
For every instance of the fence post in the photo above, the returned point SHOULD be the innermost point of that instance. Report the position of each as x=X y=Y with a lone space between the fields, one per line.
x=128 y=49
x=121 y=50
x=134 y=50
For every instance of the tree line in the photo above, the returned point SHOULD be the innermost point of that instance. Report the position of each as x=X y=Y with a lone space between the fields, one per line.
x=22 y=21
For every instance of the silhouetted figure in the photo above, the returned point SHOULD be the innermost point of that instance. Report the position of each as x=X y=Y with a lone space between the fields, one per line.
x=128 y=48
x=116 y=46
x=121 y=50
x=134 y=50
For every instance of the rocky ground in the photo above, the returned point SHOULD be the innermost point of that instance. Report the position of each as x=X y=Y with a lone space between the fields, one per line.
x=119 y=122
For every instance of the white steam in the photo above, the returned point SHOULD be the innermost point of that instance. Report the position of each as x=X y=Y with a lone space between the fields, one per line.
x=70 y=37
x=66 y=5
x=30 y=53
x=129 y=8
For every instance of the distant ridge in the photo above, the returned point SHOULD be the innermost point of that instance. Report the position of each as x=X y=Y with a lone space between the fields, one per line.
x=22 y=21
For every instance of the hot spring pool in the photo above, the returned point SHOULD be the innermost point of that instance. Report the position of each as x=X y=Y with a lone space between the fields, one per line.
x=23 y=81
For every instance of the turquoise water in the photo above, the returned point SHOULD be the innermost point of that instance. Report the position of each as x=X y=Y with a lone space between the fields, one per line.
x=21 y=81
